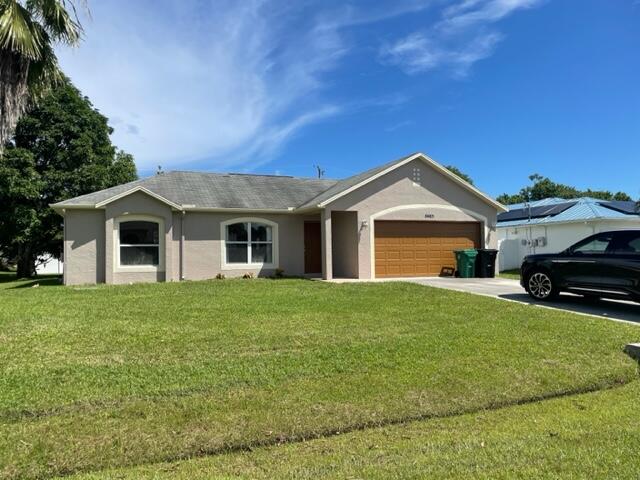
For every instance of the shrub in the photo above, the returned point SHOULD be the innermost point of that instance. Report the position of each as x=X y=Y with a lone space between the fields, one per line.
x=248 y=275
x=220 y=276
x=279 y=273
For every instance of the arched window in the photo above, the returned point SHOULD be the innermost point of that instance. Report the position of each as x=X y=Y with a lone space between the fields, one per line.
x=139 y=243
x=249 y=243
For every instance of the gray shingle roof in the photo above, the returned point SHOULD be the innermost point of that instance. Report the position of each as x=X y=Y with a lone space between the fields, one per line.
x=233 y=190
x=242 y=191
x=218 y=190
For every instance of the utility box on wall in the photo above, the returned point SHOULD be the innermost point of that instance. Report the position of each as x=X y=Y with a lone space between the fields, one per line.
x=541 y=242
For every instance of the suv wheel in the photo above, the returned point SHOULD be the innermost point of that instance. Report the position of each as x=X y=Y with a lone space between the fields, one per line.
x=540 y=286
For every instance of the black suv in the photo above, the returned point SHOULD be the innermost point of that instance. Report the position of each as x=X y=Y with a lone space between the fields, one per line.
x=606 y=264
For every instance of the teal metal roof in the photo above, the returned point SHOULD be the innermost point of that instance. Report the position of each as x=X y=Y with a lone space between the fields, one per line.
x=584 y=209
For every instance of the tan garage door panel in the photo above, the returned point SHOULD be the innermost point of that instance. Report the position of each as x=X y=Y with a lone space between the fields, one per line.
x=405 y=249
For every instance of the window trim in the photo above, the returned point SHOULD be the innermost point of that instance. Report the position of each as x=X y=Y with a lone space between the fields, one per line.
x=117 y=267
x=249 y=265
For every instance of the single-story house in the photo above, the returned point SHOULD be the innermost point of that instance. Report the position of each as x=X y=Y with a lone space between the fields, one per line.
x=403 y=218
x=553 y=224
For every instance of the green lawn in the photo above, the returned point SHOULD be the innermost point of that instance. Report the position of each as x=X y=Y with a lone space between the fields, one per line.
x=104 y=377
x=512 y=274
x=588 y=436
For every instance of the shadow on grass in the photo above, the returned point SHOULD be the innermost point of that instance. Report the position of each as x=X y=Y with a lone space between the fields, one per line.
x=617 y=310
x=8 y=278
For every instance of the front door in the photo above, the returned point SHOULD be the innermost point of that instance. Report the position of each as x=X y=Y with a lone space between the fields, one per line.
x=312 y=248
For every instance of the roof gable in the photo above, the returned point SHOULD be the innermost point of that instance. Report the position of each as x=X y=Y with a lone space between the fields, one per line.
x=350 y=184
x=138 y=188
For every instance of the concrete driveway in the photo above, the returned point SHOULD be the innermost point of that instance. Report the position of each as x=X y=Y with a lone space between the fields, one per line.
x=506 y=289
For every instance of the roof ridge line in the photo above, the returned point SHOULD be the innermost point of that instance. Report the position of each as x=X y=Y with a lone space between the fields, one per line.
x=588 y=202
x=199 y=172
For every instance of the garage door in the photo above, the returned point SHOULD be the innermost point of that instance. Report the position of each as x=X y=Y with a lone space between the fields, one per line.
x=405 y=249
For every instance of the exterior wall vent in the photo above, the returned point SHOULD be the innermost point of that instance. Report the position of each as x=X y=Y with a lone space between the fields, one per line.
x=416 y=176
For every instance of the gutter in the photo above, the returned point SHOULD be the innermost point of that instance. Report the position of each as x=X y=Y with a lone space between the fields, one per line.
x=64 y=247
x=182 y=246
x=632 y=218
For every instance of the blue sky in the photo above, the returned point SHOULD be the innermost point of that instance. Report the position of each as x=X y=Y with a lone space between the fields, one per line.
x=499 y=88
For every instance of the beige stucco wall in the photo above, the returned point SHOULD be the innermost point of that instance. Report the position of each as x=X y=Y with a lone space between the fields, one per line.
x=136 y=204
x=396 y=196
x=177 y=220
x=90 y=248
x=344 y=244
x=84 y=247
x=203 y=244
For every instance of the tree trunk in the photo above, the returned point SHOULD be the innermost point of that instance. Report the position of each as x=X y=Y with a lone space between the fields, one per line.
x=14 y=72
x=26 y=262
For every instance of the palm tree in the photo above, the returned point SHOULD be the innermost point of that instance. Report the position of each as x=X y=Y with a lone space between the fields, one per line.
x=28 y=64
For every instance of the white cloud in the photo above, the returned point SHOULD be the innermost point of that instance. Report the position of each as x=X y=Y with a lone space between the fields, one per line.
x=399 y=125
x=222 y=80
x=461 y=37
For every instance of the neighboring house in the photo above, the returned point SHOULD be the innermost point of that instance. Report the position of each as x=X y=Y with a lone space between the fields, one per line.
x=553 y=224
x=404 y=218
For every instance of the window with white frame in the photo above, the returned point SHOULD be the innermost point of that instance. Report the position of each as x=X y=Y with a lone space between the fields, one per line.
x=249 y=243
x=139 y=243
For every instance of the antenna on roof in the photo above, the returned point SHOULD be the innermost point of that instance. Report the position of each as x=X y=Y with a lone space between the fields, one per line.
x=159 y=171
x=319 y=170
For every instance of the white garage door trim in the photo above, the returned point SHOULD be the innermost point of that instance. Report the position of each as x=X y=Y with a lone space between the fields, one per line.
x=372 y=241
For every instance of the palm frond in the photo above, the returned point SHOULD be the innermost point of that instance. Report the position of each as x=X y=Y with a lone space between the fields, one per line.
x=28 y=64
x=55 y=18
x=18 y=33
x=44 y=73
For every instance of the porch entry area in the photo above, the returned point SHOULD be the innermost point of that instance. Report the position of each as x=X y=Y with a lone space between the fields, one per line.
x=336 y=245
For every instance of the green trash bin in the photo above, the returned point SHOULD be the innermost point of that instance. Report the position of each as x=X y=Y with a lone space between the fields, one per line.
x=466 y=262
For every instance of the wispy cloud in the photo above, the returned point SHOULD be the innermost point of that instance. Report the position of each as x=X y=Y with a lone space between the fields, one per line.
x=463 y=35
x=223 y=80
x=399 y=125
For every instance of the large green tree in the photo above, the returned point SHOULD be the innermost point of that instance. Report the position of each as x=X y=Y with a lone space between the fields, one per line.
x=61 y=148
x=543 y=187
x=29 y=29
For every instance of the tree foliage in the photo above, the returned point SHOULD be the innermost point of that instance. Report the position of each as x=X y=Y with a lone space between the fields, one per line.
x=29 y=29
x=543 y=187
x=459 y=173
x=60 y=149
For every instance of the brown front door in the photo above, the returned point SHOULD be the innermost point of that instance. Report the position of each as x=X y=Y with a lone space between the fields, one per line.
x=405 y=249
x=312 y=248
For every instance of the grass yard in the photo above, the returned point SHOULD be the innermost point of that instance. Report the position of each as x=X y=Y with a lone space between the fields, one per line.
x=96 y=378
x=587 y=436
x=513 y=274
